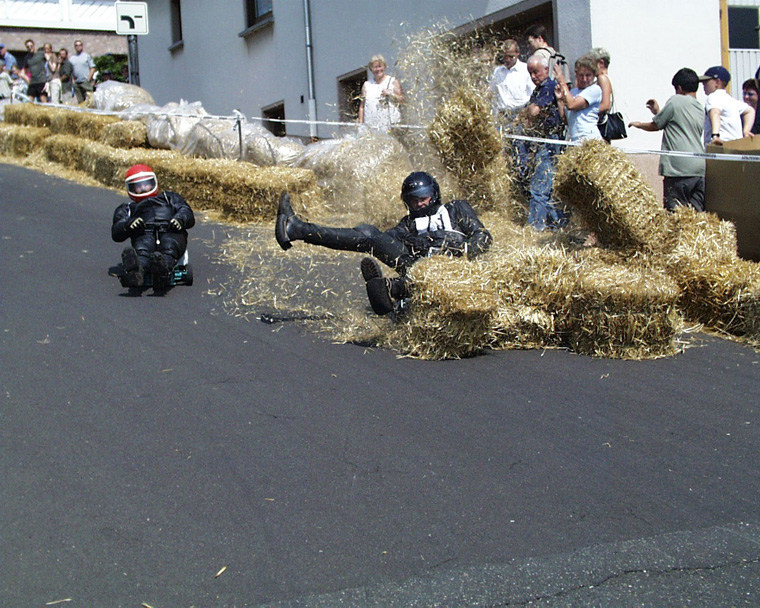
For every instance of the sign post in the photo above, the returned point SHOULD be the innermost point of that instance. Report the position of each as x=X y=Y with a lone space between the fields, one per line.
x=132 y=21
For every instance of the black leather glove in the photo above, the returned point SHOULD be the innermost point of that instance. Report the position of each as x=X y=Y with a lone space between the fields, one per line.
x=419 y=243
x=136 y=224
x=175 y=224
x=453 y=241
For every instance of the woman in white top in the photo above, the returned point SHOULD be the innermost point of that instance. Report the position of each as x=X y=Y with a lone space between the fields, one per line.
x=582 y=102
x=380 y=97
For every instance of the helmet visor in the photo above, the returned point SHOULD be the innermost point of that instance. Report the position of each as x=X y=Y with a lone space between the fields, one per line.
x=142 y=186
x=419 y=192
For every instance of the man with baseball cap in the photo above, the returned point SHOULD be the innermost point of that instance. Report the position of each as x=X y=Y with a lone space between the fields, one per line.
x=726 y=118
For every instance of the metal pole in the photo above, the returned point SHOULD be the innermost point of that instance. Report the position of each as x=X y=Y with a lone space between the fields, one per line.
x=134 y=64
x=310 y=70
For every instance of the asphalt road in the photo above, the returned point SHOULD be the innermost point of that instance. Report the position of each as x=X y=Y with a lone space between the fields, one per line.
x=155 y=450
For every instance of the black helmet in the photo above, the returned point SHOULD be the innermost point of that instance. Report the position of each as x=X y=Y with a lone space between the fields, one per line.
x=420 y=185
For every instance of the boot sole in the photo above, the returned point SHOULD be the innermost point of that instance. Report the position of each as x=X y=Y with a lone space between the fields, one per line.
x=370 y=269
x=284 y=211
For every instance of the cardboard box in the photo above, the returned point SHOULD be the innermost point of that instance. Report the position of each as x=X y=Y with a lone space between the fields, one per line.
x=732 y=191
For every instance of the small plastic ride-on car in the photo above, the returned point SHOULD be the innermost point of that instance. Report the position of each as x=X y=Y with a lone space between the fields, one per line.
x=181 y=274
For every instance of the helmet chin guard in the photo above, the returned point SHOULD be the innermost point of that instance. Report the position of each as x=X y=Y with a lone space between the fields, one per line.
x=141 y=182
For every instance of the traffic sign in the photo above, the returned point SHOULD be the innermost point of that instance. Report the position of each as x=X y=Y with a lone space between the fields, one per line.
x=131 y=18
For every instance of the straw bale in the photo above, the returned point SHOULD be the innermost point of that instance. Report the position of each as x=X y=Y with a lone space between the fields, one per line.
x=620 y=312
x=82 y=124
x=699 y=235
x=469 y=145
x=114 y=96
x=361 y=173
x=125 y=134
x=30 y=114
x=723 y=297
x=16 y=140
x=212 y=138
x=170 y=126
x=451 y=310
x=611 y=196
x=267 y=150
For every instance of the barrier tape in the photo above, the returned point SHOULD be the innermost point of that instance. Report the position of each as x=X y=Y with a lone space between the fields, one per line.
x=236 y=118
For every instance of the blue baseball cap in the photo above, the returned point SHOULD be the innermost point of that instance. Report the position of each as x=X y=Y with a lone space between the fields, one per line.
x=717 y=71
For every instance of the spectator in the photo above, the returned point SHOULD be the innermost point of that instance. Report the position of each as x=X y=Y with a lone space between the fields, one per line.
x=582 y=102
x=52 y=68
x=20 y=81
x=430 y=228
x=543 y=119
x=602 y=58
x=681 y=120
x=35 y=63
x=380 y=97
x=65 y=74
x=726 y=118
x=750 y=93
x=510 y=83
x=83 y=69
x=536 y=35
x=124 y=77
x=7 y=58
x=6 y=82
x=29 y=44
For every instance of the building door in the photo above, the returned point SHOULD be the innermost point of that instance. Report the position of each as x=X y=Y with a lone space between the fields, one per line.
x=743 y=42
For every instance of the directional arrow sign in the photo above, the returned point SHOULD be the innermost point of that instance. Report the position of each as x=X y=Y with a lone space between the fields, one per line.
x=131 y=18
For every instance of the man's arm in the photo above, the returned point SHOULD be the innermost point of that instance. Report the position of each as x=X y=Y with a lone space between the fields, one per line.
x=645 y=126
x=748 y=121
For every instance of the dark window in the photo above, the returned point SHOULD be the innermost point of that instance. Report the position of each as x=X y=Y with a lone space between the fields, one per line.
x=742 y=27
x=257 y=11
x=176 y=17
x=274 y=113
x=349 y=94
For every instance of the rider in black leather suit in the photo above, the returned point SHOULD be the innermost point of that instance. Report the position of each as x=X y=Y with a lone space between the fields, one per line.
x=430 y=228
x=148 y=206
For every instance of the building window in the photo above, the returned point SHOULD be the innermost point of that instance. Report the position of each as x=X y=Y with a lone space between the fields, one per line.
x=742 y=27
x=273 y=115
x=176 y=17
x=349 y=94
x=258 y=14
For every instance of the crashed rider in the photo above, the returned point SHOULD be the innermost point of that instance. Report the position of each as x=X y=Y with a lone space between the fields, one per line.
x=129 y=221
x=430 y=228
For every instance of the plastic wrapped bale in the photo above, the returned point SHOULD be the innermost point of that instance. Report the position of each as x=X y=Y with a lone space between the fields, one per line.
x=611 y=197
x=168 y=128
x=264 y=149
x=114 y=96
x=361 y=174
x=16 y=140
x=469 y=145
x=125 y=134
x=451 y=310
x=212 y=138
x=142 y=112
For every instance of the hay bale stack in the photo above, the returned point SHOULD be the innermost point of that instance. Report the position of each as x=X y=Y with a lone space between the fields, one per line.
x=611 y=197
x=169 y=127
x=125 y=134
x=242 y=191
x=81 y=124
x=212 y=138
x=451 y=311
x=30 y=115
x=114 y=96
x=470 y=147
x=16 y=140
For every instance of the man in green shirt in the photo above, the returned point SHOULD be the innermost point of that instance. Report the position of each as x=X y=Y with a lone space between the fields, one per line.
x=682 y=122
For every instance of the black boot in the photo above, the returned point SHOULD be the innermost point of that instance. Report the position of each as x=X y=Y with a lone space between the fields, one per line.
x=384 y=294
x=160 y=271
x=133 y=273
x=286 y=218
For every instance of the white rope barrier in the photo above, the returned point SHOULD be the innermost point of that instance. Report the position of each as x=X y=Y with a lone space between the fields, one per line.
x=238 y=118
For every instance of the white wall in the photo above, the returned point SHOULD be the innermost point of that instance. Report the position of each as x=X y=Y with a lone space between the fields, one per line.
x=649 y=41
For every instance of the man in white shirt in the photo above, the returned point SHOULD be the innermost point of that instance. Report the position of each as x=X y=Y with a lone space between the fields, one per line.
x=510 y=84
x=726 y=118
